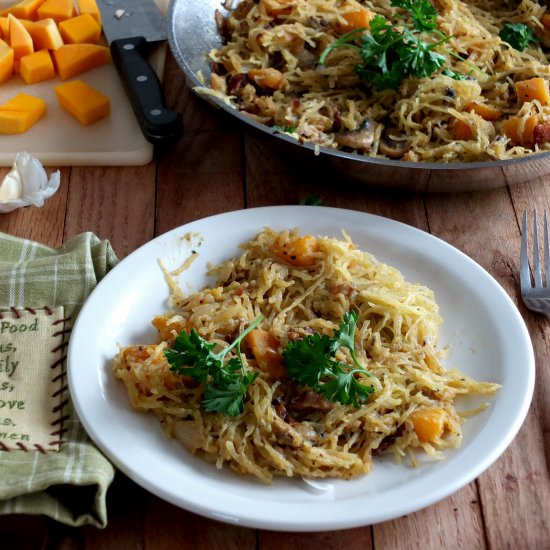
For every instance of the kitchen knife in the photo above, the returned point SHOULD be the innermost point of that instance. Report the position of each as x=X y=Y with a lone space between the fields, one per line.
x=130 y=26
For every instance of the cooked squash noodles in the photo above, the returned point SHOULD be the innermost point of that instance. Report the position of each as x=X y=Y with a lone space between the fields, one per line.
x=268 y=68
x=303 y=285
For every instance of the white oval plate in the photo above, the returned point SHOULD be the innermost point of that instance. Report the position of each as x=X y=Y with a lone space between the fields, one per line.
x=486 y=334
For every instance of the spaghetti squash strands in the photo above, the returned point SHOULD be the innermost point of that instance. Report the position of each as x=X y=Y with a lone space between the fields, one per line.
x=287 y=429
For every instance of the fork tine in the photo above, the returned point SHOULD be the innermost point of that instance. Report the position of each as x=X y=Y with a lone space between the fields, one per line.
x=524 y=277
x=546 y=251
x=537 y=277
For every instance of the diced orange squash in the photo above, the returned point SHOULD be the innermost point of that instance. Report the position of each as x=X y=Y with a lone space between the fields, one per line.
x=73 y=59
x=89 y=7
x=359 y=19
x=44 y=33
x=4 y=27
x=546 y=21
x=429 y=424
x=6 y=61
x=297 y=251
x=461 y=130
x=268 y=78
x=58 y=10
x=20 y=113
x=25 y=9
x=83 y=102
x=484 y=110
x=533 y=88
x=265 y=348
x=19 y=38
x=36 y=67
x=521 y=132
x=80 y=29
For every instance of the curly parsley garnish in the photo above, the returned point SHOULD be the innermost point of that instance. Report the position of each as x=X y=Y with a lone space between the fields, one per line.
x=225 y=382
x=310 y=361
x=391 y=53
x=518 y=35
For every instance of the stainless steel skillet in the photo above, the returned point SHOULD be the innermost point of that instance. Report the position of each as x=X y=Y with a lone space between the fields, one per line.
x=192 y=33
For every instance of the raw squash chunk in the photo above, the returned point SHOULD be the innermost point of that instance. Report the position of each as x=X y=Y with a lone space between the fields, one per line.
x=90 y=7
x=25 y=9
x=19 y=38
x=83 y=102
x=44 y=33
x=58 y=10
x=4 y=27
x=73 y=59
x=36 y=67
x=20 y=113
x=6 y=61
x=80 y=29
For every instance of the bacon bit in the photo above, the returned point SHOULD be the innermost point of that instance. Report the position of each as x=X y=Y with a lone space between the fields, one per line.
x=541 y=133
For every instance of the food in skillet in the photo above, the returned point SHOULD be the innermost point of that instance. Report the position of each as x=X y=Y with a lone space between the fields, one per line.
x=306 y=358
x=452 y=81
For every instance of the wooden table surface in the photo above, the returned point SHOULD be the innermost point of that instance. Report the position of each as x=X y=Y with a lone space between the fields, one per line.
x=218 y=167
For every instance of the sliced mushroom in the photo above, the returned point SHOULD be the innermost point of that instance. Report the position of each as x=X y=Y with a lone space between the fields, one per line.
x=361 y=138
x=393 y=148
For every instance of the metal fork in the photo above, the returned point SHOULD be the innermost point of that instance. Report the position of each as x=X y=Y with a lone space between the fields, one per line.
x=535 y=294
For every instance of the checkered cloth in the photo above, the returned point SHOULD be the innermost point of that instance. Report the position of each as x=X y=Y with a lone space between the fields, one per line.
x=70 y=485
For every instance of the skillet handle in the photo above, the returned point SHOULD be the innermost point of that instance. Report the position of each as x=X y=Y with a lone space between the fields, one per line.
x=159 y=125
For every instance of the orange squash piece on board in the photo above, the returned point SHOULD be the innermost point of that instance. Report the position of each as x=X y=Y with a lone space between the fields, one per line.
x=533 y=88
x=58 y=10
x=36 y=67
x=73 y=59
x=80 y=29
x=82 y=101
x=89 y=7
x=20 y=113
x=25 y=9
x=44 y=33
x=6 y=61
x=4 y=27
x=19 y=38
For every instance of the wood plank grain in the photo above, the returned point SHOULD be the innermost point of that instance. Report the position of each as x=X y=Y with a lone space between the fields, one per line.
x=350 y=539
x=116 y=203
x=515 y=491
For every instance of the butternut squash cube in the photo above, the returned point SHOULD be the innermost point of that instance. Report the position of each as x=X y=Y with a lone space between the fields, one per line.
x=19 y=38
x=6 y=61
x=25 y=9
x=80 y=29
x=36 y=67
x=44 y=33
x=533 y=88
x=4 y=27
x=73 y=59
x=89 y=7
x=58 y=10
x=83 y=102
x=20 y=113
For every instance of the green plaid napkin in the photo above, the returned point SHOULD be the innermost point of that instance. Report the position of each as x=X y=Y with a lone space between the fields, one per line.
x=70 y=485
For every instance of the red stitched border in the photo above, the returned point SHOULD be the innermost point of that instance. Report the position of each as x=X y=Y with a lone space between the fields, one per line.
x=58 y=376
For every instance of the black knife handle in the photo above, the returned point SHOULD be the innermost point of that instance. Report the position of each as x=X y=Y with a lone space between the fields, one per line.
x=159 y=125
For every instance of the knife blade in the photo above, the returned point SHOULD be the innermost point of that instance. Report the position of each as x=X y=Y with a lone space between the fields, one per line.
x=130 y=27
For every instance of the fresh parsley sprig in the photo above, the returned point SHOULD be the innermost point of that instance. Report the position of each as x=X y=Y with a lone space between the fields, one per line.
x=391 y=53
x=225 y=381
x=518 y=35
x=310 y=361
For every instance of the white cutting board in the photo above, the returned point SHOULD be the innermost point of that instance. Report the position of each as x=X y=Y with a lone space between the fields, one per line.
x=59 y=140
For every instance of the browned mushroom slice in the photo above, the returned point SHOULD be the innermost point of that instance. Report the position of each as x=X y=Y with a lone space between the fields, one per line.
x=361 y=138
x=393 y=148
